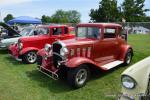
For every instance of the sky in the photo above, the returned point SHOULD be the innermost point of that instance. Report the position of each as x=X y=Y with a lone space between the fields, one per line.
x=37 y=8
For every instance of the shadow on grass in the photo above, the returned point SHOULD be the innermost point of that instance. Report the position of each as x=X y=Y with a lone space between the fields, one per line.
x=57 y=86
x=61 y=85
x=13 y=61
x=97 y=73
x=3 y=51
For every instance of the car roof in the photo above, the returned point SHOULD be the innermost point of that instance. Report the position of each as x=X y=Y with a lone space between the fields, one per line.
x=100 y=24
x=51 y=25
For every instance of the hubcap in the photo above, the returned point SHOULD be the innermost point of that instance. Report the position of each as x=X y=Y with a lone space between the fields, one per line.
x=31 y=57
x=128 y=60
x=81 y=76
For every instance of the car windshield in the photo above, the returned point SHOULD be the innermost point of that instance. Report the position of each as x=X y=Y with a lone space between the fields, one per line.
x=26 y=31
x=88 y=32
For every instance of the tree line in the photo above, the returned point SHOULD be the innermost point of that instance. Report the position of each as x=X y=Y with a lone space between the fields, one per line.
x=107 y=11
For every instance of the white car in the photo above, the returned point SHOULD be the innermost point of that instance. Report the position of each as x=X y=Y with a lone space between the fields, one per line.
x=136 y=81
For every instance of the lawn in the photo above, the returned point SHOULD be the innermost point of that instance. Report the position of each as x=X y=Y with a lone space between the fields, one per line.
x=23 y=82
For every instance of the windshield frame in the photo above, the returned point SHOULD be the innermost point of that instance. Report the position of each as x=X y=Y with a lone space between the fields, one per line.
x=27 y=33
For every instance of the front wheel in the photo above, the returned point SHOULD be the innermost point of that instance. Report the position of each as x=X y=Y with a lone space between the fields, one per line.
x=77 y=77
x=30 y=57
x=128 y=57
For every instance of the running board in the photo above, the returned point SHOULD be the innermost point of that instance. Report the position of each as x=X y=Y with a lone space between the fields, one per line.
x=112 y=64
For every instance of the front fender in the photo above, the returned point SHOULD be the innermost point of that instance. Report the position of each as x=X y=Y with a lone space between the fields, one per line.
x=25 y=50
x=140 y=73
x=42 y=52
x=124 y=50
x=76 y=61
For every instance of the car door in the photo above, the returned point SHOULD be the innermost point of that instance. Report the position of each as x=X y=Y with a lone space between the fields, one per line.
x=107 y=47
x=56 y=34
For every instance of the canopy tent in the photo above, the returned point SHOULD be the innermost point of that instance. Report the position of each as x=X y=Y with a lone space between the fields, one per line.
x=24 y=20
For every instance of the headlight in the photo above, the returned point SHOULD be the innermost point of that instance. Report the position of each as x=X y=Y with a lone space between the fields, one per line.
x=128 y=82
x=47 y=47
x=63 y=51
x=20 y=45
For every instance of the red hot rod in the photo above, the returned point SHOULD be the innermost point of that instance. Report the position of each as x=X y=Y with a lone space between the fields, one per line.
x=99 y=45
x=26 y=48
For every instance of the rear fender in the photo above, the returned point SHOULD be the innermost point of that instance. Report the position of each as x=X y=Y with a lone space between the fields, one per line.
x=25 y=50
x=76 y=61
x=124 y=50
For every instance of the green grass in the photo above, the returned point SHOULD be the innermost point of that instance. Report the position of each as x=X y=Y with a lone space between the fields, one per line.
x=23 y=82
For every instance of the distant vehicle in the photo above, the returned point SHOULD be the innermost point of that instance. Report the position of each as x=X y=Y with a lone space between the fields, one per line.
x=99 y=45
x=136 y=81
x=26 y=48
x=11 y=36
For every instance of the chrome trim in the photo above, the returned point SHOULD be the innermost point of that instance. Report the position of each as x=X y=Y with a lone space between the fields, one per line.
x=54 y=75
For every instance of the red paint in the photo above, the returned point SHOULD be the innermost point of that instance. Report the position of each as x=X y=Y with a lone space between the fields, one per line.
x=96 y=52
x=35 y=43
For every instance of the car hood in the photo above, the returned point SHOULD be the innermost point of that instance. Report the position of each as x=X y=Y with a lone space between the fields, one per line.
x=10 y=30
x=138 y=67
x=78 y=42
x=33 y=38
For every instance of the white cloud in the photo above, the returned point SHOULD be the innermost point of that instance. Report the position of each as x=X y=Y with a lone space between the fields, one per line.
x=12 y=2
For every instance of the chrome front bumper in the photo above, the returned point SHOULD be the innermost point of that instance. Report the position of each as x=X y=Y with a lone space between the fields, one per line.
x=49 y=73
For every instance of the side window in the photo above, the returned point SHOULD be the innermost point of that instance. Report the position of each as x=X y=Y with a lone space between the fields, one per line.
x=109 y=33
x=42 y=31
x=57 y=31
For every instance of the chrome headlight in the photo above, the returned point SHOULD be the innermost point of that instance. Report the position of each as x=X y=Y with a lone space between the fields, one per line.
x=20 y=45
x=63 y=51
x=48 y=47
x=128 y=82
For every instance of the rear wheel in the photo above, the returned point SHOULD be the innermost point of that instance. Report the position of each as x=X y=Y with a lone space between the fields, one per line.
x=30 y=57
x=128 y=57
x=77 y=77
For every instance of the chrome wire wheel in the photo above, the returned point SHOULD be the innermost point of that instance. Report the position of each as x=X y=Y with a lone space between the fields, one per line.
x=31 y=57
x=81 y=76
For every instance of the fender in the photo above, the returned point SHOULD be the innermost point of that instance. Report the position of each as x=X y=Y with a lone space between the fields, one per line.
x=124 y=49
x=76 y=61
x=41 y=52
x=140 y=72
x=25 y=50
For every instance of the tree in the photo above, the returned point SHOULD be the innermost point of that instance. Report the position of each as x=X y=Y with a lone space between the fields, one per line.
x=107 y=12
x=8 y=17
x=46 y=19
x=133 y=10
x=61 y=16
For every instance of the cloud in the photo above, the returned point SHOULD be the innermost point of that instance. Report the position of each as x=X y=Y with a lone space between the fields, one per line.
x=13 y=2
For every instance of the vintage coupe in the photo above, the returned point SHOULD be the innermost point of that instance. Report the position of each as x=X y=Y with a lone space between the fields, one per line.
x=97 y=45
x=26 y=48
x=136 y=81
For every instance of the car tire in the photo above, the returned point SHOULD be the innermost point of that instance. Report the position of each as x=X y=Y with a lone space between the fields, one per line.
x=128 y=57
x=30 y=57
x=77 y=77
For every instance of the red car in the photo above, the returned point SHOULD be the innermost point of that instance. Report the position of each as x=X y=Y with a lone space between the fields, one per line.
x=26 y=48
x=97 y=45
